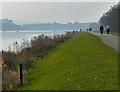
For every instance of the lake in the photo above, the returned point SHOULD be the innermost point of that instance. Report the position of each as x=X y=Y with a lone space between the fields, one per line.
x=9 y=37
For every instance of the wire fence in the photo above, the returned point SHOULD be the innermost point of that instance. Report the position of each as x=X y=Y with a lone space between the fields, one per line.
x=12 y=78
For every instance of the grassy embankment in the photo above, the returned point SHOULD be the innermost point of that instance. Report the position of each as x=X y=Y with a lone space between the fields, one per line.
x=80 y=63
x=112 y=33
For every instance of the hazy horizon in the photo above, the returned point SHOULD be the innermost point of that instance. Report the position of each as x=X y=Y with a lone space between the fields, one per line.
x=49 y=12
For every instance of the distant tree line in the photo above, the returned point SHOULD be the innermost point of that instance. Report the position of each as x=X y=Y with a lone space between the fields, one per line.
x=111 y=18
x=7 y=24
x=56 y=26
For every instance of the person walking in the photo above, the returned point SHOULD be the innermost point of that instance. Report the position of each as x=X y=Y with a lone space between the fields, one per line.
x=101 y=29
x=80 y=30
x=108 y=29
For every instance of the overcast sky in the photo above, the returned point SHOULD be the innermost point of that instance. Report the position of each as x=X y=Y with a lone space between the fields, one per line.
x=61 y=12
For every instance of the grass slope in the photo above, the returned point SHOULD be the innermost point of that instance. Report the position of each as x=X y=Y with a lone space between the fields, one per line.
x=80 y=63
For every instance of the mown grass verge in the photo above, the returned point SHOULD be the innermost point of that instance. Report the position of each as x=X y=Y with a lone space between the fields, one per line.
x=81 y=63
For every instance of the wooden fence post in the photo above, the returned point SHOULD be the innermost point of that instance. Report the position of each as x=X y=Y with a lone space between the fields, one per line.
x=21 y=76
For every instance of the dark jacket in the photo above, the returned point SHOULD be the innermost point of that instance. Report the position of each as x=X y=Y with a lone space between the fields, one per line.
x=101 y=28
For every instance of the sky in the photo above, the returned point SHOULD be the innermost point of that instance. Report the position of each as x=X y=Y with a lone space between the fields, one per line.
x=61 y=12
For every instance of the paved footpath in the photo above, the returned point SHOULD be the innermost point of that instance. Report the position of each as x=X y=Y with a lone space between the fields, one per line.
x=110 y=40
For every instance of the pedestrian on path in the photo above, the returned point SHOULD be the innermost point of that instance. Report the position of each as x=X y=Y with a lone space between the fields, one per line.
x=101 y=29
x=108 y=29
x=80 y=30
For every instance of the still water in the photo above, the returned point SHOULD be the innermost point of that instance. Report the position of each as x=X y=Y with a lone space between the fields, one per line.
x=9 y=37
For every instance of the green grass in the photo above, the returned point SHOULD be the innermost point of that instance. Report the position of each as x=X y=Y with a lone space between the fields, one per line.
x=112 y=33
x=80 y=63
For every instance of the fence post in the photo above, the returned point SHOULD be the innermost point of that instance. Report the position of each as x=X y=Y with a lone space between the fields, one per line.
x=21 y=76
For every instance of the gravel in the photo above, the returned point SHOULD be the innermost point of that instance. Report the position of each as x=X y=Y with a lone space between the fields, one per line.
x=111 y=40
